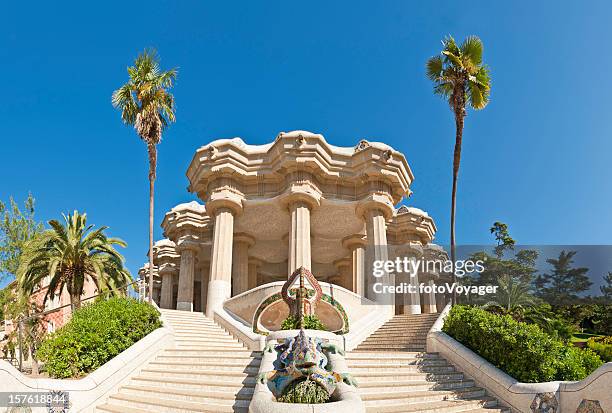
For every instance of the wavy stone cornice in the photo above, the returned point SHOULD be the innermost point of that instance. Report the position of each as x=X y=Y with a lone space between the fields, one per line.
x=411 y=224
x=268 y=170
x=186 y=220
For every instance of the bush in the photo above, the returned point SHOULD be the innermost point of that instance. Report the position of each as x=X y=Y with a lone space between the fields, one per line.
x=311 y=322
x=95 y=334
x=304 y=391
x=602 y=346
x=522 y=350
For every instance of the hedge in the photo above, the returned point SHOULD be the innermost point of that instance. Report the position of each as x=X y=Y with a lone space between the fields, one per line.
x=522 y=350
x=95 y=334
x=602 y=346
x=311 y=322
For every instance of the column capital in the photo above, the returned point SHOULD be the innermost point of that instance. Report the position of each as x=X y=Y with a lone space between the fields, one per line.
x=378 y=202
x=255 y=261
x=167 y=269
x=311 y=198
x=243 y=237
x=353 y=241
x=224 y=199
x=343 y=263
x=187 y=245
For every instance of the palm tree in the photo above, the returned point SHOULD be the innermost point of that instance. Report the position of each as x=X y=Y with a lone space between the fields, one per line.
x=148 y=106
x=460 y=77
x=69 y=254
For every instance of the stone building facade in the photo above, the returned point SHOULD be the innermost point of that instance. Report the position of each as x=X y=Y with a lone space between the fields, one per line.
x=298 y=201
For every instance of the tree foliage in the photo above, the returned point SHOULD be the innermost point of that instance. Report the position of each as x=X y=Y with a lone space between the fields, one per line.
x=17 y=227
x=70 y=253
x=564 y=282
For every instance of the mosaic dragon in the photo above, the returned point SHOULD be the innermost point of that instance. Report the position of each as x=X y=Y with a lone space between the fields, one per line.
x=303 y=357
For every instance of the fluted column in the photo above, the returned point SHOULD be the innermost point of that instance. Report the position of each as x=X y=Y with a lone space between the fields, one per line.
x=220 y=285
x=205 y=273
x=253 y=269
x=166 y=287
x=345 y=278
x=240 y=263
x=184 y=299
x=412 y=301
x=356 y=244
x=376 y=232
x=299 y=236
x=429 y=298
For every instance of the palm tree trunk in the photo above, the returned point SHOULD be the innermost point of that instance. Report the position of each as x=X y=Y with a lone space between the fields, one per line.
x=459 y=116
x=152 y=167
x=34 y=361
x=75 y=301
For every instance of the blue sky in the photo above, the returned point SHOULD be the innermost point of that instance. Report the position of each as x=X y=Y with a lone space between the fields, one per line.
x=538 y=158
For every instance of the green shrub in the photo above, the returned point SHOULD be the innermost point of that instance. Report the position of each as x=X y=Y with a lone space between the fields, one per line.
x=311 y=322
x=95 y=334
x=602 y=346
x=522 y=350
x=304 y=391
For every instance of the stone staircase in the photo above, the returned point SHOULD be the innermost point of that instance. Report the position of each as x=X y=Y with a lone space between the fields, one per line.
x=208 y=371
x=395 y=374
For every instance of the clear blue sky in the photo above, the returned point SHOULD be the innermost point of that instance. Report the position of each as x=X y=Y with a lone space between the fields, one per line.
x=538 y=158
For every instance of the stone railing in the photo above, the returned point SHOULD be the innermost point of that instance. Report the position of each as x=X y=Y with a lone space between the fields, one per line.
x=590 y=395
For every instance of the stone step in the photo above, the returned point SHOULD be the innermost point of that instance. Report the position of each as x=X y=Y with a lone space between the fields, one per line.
x=229 y=376
x=205 y=384
x=394 y=340
x=212 y=360
x=219 y=354
x=206 y=339
x=392 y=397
x=201 y=396
x=158 y=404
x=393 y=355
x=203 y=330
x=413 y=386
x=115 y=408
x=399 y=370
x=381 y=347
x=386 y=364
x=445 y=406
x=221 y=368
x=198 y=345
x=408 y=376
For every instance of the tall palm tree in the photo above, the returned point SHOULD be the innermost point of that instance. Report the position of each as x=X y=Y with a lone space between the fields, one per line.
x=70 y=253
x=147 y=105
x=459 y=76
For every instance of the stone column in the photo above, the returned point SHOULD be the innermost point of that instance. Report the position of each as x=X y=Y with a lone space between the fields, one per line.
x=204 y=286
x=167 y=275
x=376 y=233
x=186 y=277
x=299 y=236
x=412 y=301
x=345 y=275
x=220 y=285
x=240 y=263
x=356 y=244
x=429 y=303
x=253 y=269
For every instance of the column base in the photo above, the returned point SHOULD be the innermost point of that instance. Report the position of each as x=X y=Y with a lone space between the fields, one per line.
x=412 y=309
x=218 y=292
x=184 y=306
